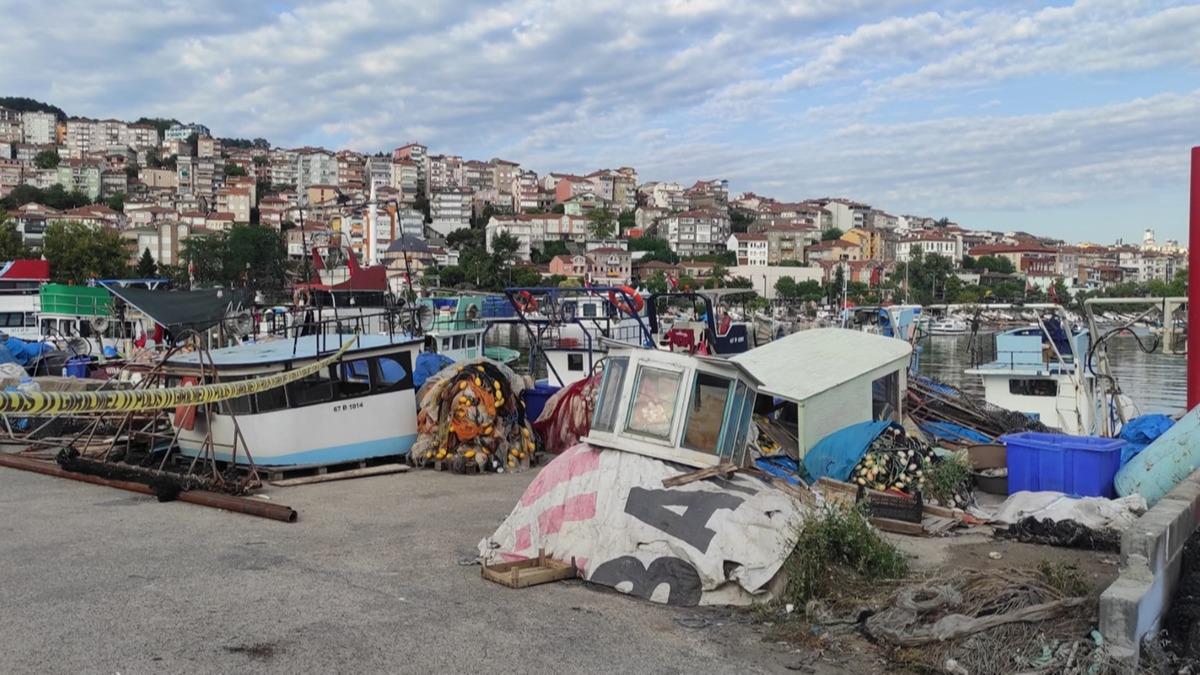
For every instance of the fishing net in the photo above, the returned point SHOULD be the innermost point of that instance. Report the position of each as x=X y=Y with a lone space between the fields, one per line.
x=994 y=621
x=471 y=417
x=567 y=416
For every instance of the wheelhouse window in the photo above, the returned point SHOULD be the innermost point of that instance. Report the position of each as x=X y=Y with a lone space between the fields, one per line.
x=354 y=378
x=608 y=403
x=706 y=412
x=316 y=388
x=885 y=396
x=242 y=405
x=652 y=411
x=1032 y=387
x=575 y=362
x=392 y=373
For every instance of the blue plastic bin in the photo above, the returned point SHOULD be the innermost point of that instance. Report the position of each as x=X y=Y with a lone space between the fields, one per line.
x=1083 y=466
x=77 y=366
x=535 y=399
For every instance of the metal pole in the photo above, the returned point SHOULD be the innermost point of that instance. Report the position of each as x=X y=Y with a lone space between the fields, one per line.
x=1193 y=336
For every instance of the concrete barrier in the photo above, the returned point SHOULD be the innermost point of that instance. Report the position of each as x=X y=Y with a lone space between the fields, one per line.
x=1134 y=605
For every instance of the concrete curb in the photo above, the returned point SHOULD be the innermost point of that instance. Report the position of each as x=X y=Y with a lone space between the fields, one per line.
x=1133 y=606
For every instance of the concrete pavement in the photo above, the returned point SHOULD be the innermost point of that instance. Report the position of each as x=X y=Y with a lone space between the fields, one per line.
x=94 y=579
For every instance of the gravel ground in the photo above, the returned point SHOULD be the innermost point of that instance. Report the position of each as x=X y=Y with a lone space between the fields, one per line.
x=98 y=580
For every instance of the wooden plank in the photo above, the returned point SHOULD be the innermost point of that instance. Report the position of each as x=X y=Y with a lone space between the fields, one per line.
x=898 y=526
x=700 y=474
x=380 y=470
x=530 y=572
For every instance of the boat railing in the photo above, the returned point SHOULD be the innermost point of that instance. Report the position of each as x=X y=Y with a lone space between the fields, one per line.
x=332 y=328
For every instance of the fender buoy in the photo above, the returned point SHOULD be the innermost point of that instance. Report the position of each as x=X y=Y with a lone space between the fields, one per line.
x=621 y=305
x=526 y=302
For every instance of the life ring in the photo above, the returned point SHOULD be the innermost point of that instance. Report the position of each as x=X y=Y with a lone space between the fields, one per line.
x=525 y=302
x=623 y=306
x=302 y=297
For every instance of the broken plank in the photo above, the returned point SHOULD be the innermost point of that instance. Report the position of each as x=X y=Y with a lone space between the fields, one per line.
x=380 y=470
x=693 y=476
x=898 y=526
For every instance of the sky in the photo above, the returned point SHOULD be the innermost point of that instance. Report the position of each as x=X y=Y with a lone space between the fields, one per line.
x=1070 y=120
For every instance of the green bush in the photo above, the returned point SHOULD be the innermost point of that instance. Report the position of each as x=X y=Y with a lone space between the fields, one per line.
x=834 y=542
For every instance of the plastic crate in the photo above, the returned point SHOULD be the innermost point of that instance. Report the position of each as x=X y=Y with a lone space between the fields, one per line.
x=910 y=509
x=535 y=399
x=1083 y=466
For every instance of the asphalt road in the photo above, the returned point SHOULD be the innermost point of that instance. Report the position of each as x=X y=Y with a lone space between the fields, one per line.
x=98 y=580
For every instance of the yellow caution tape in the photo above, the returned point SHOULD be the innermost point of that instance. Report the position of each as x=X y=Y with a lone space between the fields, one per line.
x=130 y=400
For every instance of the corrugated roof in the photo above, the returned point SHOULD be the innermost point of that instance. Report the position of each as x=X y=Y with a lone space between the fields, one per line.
x=809 y=362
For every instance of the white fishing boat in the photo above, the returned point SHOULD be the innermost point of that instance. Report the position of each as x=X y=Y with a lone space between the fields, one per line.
x=948 y=326
x=363 y=406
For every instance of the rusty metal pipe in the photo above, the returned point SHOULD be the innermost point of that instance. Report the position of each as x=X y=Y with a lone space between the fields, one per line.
x=202 y=497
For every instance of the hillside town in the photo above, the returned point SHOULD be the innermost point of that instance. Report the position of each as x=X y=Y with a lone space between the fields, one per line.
x=161 y=183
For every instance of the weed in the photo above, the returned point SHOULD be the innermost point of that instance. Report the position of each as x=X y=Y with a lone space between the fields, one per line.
x=1066 y=578
x=836 y=542
x=949 y=478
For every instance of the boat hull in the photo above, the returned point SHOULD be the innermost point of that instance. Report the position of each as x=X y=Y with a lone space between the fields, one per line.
x=347 y=430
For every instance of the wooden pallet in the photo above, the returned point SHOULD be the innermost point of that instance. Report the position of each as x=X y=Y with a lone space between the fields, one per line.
x=277 y=473
x=531 y=572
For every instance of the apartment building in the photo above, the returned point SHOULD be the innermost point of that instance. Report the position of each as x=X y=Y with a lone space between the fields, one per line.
x=751 y=248
x=39 y=128
x=532 y=231
x=450 y=210
x=697 y=232
x=81 y=176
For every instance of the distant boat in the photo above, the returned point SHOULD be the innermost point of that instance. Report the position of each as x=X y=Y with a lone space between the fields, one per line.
x=948 y=326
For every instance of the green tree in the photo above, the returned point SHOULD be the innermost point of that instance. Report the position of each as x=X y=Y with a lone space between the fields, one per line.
x=25 y=104
x=78 y=252
x=657 y=249
x=465 y=237
x=254 y=256
x=146 y=266
x=159 y=123
x=46 y=159
x=116 y=202
x=739 y=220
x=832 y=234
x=549 y=249
x=601 y=224
x=234 y=170
x=12 y=245
x=627 y=220
x=505 y=246
x=994 y=263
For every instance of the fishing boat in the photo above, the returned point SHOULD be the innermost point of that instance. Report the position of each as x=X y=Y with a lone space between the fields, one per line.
x=948 y=326
x=363 y=406
x=1040 y=371
x=455 y=328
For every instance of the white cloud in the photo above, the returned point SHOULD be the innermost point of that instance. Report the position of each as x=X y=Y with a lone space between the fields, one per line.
x=880 y=100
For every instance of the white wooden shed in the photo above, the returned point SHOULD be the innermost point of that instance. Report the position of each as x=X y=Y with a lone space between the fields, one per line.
x=832 y=378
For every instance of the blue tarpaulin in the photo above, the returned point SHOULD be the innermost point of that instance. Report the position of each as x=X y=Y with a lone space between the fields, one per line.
x=1140 y=432
x=428 y=364
x=836 y=454
x=780 y=466
x=22 y=353
x=955 y=433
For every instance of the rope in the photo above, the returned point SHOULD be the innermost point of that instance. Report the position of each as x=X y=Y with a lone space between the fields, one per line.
x=132 y=400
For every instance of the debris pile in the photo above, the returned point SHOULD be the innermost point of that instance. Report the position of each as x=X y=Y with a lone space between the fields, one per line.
x=897 y=462
x=930 y=401
x=471 y=418
x=991 y=621
x=567 y=416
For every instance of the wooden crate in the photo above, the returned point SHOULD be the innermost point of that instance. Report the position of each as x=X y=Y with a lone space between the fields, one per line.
x=531 y=572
